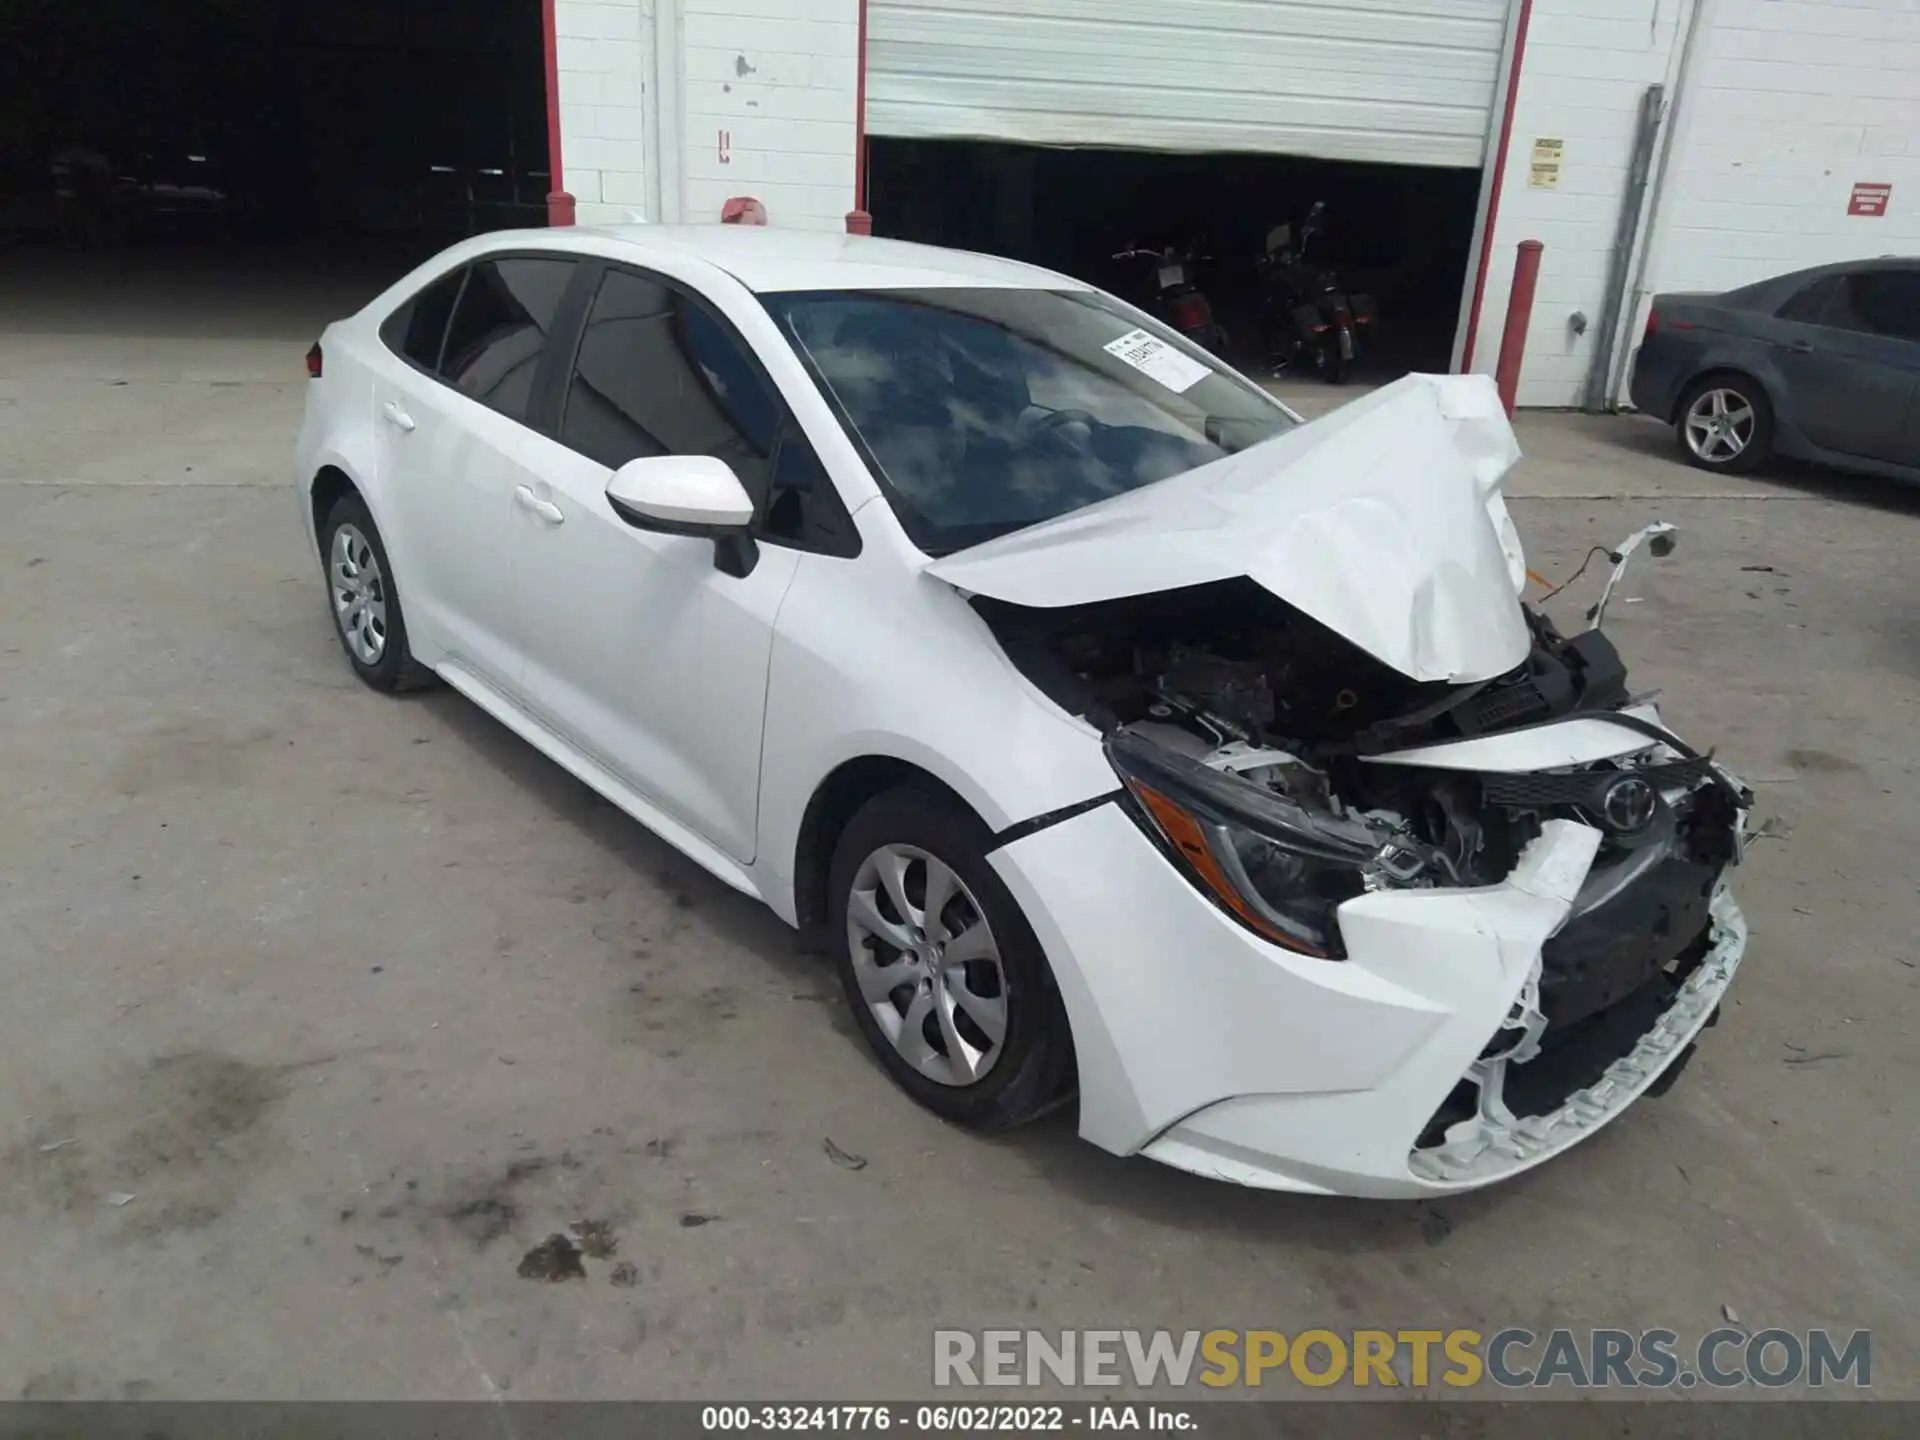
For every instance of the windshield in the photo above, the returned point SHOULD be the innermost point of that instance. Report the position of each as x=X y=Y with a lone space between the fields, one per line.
x=987 y=410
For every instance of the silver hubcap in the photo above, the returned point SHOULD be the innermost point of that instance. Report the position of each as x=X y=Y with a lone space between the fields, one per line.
x=928 y=966
x=1719 y=425
x=359 y=595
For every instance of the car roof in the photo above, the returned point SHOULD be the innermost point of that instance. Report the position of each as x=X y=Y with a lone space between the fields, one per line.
x=766 y=259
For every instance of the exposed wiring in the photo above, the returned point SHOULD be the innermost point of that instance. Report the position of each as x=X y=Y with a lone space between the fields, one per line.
x=1596 y=550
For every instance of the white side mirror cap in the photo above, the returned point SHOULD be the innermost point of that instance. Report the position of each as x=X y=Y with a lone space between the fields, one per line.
x=681 y=495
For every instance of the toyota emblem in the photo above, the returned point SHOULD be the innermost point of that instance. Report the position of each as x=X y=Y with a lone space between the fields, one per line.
x=1628 y=803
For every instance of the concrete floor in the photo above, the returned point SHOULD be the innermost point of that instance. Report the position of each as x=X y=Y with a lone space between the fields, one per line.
x=360 y=998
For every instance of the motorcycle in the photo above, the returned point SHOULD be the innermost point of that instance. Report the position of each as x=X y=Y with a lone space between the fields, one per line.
x=1306 y=313
x=1167 y=288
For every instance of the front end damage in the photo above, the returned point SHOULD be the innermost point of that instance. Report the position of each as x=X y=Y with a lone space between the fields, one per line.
x=1456 y=865
x=1289 y=775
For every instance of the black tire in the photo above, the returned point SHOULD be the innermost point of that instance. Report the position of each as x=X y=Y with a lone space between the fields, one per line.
x=1336 y=367
x=1033 y=1070
x=394 y=668
x=1758 y=449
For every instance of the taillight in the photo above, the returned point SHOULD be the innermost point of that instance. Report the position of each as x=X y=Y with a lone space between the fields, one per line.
x=314 y=358
x=1190 y=312
x=1653 y=324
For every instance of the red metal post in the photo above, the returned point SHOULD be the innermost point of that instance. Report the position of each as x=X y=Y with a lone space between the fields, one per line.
x=559 y=202
x=859 y=222
x=1513 y=340
x=1485 y=264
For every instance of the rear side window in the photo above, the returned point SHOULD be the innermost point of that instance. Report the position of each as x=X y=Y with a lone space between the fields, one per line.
x=499 y=330
x=418 y=328
x=658 y=374
x=1809 y=302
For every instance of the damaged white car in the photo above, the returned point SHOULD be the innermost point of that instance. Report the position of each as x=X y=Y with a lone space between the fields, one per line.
x=1120 y=733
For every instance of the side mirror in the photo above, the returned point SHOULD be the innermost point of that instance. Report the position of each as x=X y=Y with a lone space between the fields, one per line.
x=681 y=495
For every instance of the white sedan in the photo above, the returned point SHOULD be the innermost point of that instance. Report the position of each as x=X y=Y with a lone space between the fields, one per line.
x=1122 y=734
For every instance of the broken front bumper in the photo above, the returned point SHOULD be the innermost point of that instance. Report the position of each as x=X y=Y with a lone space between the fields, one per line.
x=1204 y=1047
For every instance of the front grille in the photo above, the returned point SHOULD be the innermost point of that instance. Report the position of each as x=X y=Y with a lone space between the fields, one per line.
x=1583 y=787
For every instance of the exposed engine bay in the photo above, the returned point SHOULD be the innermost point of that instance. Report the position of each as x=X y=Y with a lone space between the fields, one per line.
x=1254 y=735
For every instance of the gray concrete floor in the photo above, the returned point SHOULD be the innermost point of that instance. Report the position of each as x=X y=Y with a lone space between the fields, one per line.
x=360 y=998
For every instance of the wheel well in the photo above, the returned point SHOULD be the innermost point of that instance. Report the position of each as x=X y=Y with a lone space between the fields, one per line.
x=1719 y=372
x=833 y=804
x=329 y=488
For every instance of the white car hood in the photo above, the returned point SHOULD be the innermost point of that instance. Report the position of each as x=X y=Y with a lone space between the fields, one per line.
x=1384 y=521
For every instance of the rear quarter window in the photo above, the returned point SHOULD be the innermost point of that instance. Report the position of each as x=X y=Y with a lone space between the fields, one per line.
x=418 y=329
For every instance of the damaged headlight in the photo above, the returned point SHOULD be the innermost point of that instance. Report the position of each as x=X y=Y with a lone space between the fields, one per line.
x=1278 y=867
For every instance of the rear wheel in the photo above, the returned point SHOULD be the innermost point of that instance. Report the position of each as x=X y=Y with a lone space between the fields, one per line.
x=1725 y=424
x=941 y=970
x=364 y=601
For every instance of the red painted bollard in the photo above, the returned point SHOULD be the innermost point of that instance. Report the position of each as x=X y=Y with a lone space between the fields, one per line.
x=859 y=222
x=1513 y=340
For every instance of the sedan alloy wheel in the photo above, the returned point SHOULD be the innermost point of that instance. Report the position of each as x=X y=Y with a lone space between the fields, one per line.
x=1720 y=425
x=928 y=965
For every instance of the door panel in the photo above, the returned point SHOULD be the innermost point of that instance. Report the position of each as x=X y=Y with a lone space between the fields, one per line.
x=636 y=648
x=645 y=656
x=1851 y=376
x=452 y=408
x=446 y=485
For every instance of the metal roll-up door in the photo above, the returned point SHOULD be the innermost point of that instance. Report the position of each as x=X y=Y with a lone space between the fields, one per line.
x=1409 y=82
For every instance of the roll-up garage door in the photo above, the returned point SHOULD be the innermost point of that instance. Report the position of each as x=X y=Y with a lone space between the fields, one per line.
x=1404 y=81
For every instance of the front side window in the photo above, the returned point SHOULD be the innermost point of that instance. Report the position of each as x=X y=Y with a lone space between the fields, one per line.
x=658 y=374
x=987 y=410
x=499 y=330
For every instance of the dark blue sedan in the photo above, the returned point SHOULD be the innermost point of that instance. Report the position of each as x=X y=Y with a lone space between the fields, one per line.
x=1822 y=364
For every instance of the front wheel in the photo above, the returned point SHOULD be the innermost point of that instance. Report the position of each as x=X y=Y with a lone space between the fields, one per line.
x=941 y=970
x=1726 y=424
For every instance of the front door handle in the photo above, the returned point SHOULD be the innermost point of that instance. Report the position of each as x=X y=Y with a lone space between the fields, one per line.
x=524 y=497
x=1799 y=347
x=395 y=416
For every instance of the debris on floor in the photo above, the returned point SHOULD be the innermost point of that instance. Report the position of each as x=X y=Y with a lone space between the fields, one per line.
x=842 y=1158
x=556 y=1258
x=624 y=1275
x=596 y=1237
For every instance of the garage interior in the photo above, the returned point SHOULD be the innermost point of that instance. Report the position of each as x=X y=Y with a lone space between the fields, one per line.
x=214 y=150
x=1401 y=233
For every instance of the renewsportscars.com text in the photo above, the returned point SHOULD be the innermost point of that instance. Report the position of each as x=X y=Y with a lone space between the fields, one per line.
x=1512 y=1358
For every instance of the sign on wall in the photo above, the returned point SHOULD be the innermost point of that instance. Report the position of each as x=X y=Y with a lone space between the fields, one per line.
x=1869 y=199
x=1543 y=171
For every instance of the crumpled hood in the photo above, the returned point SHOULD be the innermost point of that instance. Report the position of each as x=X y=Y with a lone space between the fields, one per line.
x=1384 y=521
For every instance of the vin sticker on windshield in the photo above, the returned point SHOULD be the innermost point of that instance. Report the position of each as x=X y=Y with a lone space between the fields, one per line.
x=1157 y=360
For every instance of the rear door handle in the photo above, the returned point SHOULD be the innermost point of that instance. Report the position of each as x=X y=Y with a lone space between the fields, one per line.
x=395 y=416
x=1799 y=347
x=524 y=497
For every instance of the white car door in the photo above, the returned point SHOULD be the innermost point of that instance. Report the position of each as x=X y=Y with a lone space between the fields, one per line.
x=649 y=651
x=451 y=401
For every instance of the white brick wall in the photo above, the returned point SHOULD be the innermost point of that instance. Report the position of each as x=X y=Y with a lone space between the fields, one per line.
x=603 y=52
x=777 y=80
x=1789 y=103
x=1587 y=64
x=765 y=107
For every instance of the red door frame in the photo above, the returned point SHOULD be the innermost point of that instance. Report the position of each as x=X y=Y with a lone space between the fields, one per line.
x=559 y=202
x=1499 y=176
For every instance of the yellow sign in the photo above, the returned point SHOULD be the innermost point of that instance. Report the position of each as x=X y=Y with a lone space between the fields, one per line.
x=1543 y=172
